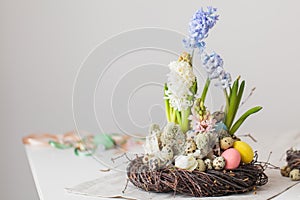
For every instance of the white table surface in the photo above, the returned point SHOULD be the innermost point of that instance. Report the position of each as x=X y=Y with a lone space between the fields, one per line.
x=54 y=169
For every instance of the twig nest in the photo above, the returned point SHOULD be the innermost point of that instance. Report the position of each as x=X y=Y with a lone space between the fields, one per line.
x=201 y=165
x=196 y=183
x=232 y=158
x=226 y=143
x=219 y=163
x=245 y=150
x=295 y=175
x=186 y=162
x=208 y=163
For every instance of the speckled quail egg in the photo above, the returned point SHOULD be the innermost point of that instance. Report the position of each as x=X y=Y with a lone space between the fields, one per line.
x=208 y=163
x=295 y=174
x=190 y=147
x=285 y=171
x=166 y=153
x=201 y=165
x=154 y=163
x=226 y=143
x=219 y=163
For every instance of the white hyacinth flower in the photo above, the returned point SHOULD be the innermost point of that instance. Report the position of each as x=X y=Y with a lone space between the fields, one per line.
x=180 y=80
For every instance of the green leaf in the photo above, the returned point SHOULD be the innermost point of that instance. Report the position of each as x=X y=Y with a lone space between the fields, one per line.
x=241 y=91
x=238 y=100
x=239 y=122
x=232 y=103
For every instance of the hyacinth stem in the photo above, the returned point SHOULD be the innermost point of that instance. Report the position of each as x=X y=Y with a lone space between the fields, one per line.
x=171 y=114
x=167 y=104
x=178 y=117
x=185 y=122
x=205 y=89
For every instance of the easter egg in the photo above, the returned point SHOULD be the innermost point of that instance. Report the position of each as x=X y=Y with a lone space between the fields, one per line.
x=295 y=174
x=232 y=158
x=226 y=143
x=208 y=163
x=219 y=163
x=245 y=150
x=201 y=165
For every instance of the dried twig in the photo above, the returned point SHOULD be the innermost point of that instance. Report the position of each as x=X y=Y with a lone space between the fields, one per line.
x=248 y=135
x=199 y=184
x=120 y=156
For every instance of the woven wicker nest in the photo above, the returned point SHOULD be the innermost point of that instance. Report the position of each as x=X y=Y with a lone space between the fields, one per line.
x=198 y=184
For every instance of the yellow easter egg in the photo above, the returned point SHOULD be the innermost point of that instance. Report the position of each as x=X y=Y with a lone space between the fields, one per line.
x=245 y=150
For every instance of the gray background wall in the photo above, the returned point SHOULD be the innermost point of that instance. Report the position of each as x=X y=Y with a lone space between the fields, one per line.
x=42 y=44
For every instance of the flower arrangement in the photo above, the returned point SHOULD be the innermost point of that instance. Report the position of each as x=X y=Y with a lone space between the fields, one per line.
x=197 y=148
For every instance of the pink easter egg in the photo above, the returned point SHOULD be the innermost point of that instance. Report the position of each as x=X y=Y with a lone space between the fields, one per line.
x=232 y=158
